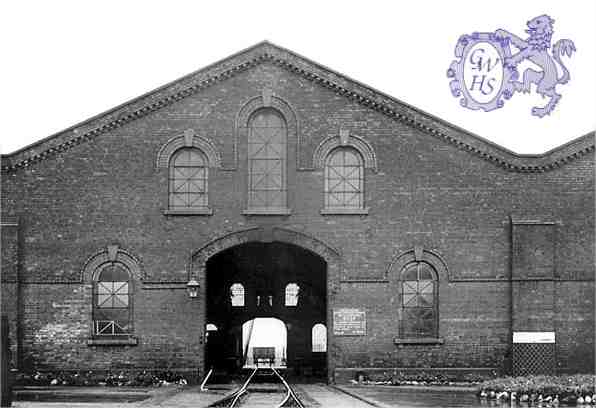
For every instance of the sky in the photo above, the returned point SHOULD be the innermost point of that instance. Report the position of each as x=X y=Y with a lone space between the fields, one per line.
x=65 y=61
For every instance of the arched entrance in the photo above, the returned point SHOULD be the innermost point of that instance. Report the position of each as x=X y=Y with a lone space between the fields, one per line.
x=267 y=273
x=265 y=342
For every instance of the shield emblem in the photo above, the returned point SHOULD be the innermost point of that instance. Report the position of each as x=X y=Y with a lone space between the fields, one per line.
x=479 y=75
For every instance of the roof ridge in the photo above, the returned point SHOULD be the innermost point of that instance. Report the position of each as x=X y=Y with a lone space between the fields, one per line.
x=266 y=51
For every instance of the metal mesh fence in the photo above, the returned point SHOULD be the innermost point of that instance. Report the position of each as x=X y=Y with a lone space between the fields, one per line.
x=533 y=358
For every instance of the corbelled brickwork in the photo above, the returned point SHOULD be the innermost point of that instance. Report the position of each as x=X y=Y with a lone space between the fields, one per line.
x=434 y=187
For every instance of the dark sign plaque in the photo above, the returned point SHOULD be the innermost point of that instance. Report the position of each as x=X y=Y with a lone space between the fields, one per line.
x=349 y=322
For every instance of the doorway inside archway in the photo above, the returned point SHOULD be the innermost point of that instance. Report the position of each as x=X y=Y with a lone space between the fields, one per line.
x=264 y=299
x=264 y=342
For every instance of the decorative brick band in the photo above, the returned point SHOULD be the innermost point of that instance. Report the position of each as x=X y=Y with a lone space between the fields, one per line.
x=268 y=53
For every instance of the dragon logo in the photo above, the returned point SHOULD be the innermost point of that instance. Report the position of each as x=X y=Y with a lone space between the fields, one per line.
x=486 y=72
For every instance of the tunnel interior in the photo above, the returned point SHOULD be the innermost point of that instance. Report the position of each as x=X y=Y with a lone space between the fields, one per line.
x=251 y=290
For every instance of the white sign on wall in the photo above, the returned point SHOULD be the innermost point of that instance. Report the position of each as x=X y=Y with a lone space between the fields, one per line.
x=349 y=322
x=534 y=337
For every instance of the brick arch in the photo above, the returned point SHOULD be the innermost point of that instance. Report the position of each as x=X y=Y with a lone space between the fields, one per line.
x=360 y=144
x=200 y=257
x=188 y=139
x=265 y=100
x=417 y=254
x=268 y=101
x=111 y=253
x=332 y=257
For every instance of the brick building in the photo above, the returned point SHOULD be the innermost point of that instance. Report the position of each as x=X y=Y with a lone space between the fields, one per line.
x=285 y=189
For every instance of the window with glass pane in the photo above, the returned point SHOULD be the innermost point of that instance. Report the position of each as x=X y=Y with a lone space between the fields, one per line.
x=267 y=151
x=237 y=294
x=292 y=290
x=188 y=180
x=319 y=338
x=419 y=301
x=344 y=179
x=111 y=306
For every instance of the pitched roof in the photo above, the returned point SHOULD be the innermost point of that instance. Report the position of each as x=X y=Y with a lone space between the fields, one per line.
x=266 y=52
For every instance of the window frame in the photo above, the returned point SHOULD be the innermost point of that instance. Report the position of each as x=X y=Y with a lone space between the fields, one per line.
x=296 y=295
x=189 y=210
x=235 y=284
x=328 y=209
x=410 y=337
x=96 y=309
x=283 y=208
x=312 y=338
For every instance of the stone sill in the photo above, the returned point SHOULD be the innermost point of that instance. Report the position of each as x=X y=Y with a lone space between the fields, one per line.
x=196 y=211
x=345 y=211
x=422 y=340
x=267 y=211
x=126 y=341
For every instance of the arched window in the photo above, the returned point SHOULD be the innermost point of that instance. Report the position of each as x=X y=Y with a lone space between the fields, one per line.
x=188 y=180
x=111 y=300
x=319 y=338
x=344 y=179
x=237 y=294
x=267 y=151
x=419 y=301
x=209 y=328
x=292 y=290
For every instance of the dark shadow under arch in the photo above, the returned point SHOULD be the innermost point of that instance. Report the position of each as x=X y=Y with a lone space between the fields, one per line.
x=202 y=262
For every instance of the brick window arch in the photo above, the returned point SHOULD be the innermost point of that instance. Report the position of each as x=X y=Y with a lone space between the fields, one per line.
x=419 y=301
x=344 y=180
x=267 y=161
x=188 y=180
x=112 y=294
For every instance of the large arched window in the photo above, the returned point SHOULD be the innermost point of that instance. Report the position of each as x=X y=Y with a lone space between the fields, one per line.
x=319 y=338
x=267 y=151
x=111 y=300
x=237 y=294
x=344 y=180
x=188 y=180
x=419 y=317
x=292 y=290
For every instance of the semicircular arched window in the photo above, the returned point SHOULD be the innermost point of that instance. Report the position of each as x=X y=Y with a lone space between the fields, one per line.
x=188 y=180
x=111 y=300
x=344 y=180
x=267 y=154
x=419 y=298
x=319 y=338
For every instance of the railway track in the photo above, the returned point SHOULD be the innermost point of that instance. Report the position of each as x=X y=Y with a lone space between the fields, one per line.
x=273 y=392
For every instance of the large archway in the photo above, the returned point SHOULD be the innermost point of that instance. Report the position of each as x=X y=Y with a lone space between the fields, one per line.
x=258 y=280
x=261 y=272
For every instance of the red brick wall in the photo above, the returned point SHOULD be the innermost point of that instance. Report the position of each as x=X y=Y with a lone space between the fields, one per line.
x=427 y=193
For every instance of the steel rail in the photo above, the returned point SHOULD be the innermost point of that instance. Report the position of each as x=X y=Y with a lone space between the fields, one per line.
x=290 y=393
x=242 y=389
x=236 y=395
x=205 y=380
